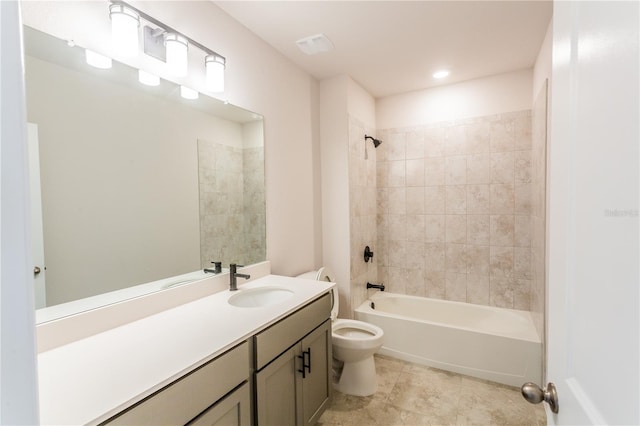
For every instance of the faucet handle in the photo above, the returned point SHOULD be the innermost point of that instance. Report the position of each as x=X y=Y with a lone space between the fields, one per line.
x=368 y=254
x=217 y=267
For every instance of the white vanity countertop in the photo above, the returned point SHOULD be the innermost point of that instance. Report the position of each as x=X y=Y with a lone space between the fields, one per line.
x=90 y=380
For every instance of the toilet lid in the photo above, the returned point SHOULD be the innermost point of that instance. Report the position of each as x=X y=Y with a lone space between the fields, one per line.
x=325 y=274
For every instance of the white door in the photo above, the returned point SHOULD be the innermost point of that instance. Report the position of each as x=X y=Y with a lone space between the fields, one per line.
x=593 y=297
x=37 y=240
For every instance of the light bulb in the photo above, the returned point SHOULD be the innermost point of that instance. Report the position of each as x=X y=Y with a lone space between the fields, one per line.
x=177 y=51
x=97 y=60
x=148 y=79
x=215 y=66
x=188 y=93
x=124 y=29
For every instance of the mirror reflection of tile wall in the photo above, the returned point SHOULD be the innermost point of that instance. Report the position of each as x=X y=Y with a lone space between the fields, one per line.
x=255 y=232
x=232 y=215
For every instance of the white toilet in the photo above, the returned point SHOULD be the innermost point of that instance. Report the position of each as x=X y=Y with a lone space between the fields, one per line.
x=354 y=343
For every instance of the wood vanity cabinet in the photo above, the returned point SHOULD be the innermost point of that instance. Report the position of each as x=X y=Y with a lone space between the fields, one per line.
x=292 y=366
x=217 y=393
x=278 y=377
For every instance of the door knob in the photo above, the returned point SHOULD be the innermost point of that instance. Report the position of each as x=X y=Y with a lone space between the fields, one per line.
x=36 y=270
x=535 y=395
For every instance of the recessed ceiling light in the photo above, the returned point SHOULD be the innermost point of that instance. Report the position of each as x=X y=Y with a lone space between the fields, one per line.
x=441 y=74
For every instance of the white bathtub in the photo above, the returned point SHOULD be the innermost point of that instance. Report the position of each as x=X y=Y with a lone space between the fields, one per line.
x=491 y=343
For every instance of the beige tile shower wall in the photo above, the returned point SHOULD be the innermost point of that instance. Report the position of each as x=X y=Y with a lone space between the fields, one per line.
x=454 y=210
x=362 y=209
x=538 y=208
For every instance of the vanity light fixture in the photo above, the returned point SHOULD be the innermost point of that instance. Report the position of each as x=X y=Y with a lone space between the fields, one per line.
x=97 y=60
x=148 y=79
x=441 y=74
x=177 y=54
x=168 y=45
x=215 y=65
x=188 y=93
x=124 y=29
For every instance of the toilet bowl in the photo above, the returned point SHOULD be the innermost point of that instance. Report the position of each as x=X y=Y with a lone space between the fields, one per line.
x=354 y=343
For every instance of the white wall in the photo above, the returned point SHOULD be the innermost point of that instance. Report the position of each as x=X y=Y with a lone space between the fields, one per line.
x=542 y=67
x=484 y=96
x=334 y=152
x=257 y=78
x=360 y=104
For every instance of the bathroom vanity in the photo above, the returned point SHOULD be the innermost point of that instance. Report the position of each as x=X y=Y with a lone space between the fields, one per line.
x=259 y=355
x=292 y=365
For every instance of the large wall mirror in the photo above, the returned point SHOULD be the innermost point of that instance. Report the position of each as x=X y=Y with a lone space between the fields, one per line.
x=137 y=185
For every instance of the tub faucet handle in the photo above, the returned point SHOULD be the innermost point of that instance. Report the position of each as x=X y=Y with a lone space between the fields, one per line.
x=368 y=254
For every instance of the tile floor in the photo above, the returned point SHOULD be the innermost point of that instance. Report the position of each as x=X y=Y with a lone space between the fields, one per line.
x=411 y=394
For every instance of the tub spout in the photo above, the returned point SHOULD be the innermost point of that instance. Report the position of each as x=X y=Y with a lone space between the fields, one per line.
x=378 y=286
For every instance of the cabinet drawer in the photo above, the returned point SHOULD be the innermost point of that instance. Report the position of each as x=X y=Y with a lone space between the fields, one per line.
x=279 y=337
x=184 y=399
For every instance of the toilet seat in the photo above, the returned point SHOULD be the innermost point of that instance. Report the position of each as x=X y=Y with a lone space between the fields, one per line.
x=353 y=334
x=369 y=330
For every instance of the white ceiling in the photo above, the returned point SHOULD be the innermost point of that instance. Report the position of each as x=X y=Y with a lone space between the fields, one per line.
x=392 y=47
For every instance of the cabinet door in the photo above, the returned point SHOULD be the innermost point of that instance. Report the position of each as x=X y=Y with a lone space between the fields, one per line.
x=233 y=410
x=316 y=386
x=278 y=390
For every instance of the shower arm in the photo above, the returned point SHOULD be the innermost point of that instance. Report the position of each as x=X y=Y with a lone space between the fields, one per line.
x=376 y=142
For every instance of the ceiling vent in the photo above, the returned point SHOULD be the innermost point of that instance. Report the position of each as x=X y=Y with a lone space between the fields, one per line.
x=315 y=44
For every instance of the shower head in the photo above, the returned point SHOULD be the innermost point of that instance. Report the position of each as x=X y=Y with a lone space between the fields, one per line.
x=376 y=142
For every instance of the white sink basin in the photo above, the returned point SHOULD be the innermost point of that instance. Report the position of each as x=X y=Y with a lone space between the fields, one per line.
x=260 y=297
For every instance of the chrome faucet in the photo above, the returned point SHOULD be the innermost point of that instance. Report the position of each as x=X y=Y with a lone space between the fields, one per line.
x=233 y=275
